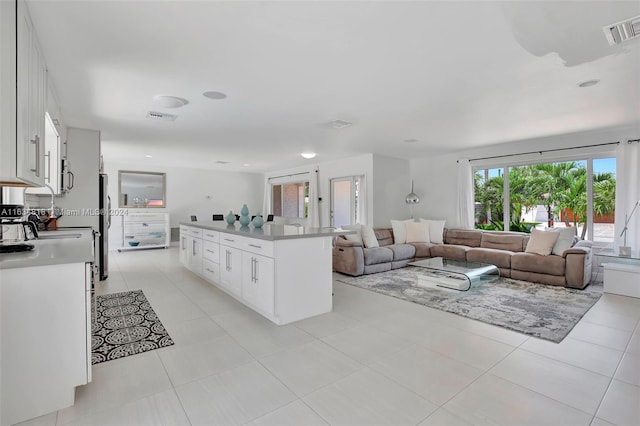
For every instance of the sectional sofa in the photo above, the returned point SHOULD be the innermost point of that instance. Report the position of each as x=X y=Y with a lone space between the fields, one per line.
x=506 y=250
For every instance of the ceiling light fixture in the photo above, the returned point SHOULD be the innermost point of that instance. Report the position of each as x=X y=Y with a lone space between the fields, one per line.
x=214 y=95
x=410 y=140
x=166 y=101
x=245 y=165
x=588 y=83
x=412 y=197
x=222 y=162
x=155 y=115
x=308 y=155
x=149 y=156
x=339 y=124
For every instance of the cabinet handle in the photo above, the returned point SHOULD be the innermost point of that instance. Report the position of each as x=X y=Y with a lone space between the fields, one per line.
x=48 y=176
x=256 y=272
x=255 y=246
x=231 y=241
x=209 y=270
x=194 y=248
x=184 y=246
x=36 y=142
x=211 y=251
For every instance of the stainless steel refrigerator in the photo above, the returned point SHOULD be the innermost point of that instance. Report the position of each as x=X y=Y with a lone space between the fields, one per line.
x=105 y=224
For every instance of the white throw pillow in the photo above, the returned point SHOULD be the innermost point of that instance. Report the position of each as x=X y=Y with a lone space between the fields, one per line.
x=354 y=237
x=436 y=229
x=417 y=232
x=565 y=239
x=541 y=242
x=400 y=230
x=369 y=237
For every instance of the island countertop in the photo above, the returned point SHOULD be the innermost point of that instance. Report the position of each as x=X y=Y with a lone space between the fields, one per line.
x=70 y=245
x=270 y=231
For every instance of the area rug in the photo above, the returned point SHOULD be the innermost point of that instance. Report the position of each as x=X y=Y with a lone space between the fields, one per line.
x=125 y=324
x=539 y=310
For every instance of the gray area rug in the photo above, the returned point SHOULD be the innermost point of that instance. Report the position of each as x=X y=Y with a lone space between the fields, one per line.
x=125 y=324
x=539 y=310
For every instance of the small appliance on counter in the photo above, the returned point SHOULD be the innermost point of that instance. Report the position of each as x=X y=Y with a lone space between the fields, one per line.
x=15 y=231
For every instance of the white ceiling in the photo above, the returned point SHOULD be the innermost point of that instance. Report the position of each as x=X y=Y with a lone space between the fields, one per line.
x=454 y=75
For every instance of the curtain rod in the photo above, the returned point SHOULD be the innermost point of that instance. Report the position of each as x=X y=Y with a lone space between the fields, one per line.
x=549 y=150
x=292 y=174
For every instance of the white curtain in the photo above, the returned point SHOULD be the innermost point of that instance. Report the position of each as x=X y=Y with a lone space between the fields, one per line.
x=465 y=208
x=266 y=205
x=314 y=213
x=628 y=193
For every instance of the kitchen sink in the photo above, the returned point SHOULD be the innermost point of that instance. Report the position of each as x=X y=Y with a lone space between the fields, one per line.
x=58 y=236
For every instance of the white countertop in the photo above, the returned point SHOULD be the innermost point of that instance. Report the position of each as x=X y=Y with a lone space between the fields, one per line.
x=53 y=251
x=269 y=231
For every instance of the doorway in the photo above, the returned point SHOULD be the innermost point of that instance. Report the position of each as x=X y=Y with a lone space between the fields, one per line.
x=347 y=201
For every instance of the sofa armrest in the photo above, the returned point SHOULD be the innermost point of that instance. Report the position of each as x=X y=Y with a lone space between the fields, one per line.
x=343 y=242
x=576 y=250
x=348 y=257
x=577 y=266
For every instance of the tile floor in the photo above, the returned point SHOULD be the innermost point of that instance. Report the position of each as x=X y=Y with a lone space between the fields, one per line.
x=373 y=360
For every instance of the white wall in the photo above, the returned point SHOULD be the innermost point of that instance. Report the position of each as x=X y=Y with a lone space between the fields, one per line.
x=391 y=184
x=192 y=192
x=437 y=174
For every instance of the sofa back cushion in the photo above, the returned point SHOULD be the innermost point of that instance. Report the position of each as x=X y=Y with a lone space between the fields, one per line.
x=511 y=242
x=464 y=237
x=384 y=236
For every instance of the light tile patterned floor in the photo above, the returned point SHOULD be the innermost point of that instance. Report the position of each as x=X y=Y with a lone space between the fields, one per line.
x=373 y=360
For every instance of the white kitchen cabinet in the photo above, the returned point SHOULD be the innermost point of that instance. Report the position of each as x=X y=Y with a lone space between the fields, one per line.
x=231 y=269
x=280 y=272
x=258 y=281
x=148 y=230
x=23 y=94
x=46 y=338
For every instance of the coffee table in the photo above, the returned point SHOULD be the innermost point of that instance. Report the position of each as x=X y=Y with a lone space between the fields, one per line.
x=456 y=274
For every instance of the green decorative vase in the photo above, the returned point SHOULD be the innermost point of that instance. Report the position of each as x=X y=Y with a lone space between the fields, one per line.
x=244 y=216
x=231 y=218
x=258 y=221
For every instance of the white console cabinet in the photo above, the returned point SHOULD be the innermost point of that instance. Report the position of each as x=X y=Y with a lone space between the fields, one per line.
x=281 y=272
x=622 y=279
x=145 y=231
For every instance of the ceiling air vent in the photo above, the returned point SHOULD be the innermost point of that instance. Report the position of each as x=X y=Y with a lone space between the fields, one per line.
x=161 y=116
x=339 y=124
x=622 y=31
x=222 y=162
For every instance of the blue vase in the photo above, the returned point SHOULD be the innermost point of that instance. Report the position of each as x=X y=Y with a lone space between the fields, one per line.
x=245 y=210
x=258 y=221
x=231 y=218
x=245 y=220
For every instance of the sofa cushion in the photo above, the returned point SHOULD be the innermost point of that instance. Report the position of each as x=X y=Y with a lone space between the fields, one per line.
x=497 y=257
x=531 y=262
x=436 y=230
x=399 y=230
x=565 y=239
x=463 y=237
x=384 y=236
x=449 y=251
x=541 y=242
x=422 y=249
x=357 y=237
x=377 y=255
x=369 y=237
x=417 y=232
x=510 y=242
x=402 y=251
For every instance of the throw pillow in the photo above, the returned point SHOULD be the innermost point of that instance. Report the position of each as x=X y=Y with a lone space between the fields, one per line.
x=417 y=232
x=357 y=237
x=565 y=239
x=400 y=230
x=541 y=242
x=436 y=229
x=369 y=237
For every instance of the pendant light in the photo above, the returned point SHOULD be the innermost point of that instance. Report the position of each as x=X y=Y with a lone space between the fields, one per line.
x=412 y=197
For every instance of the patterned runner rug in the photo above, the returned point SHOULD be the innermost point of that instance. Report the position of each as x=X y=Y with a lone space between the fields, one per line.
x=539 y=310
x=125 y=324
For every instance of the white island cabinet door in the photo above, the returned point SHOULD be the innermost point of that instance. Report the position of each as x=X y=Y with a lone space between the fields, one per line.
x=231 y=269
x=257 y=281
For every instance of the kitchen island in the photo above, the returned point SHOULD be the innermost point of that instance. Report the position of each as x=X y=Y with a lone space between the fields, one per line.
x=283 y=272
x=45 y=322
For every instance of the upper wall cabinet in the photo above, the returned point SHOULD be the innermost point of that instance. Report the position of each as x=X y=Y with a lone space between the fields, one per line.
x=23 y=98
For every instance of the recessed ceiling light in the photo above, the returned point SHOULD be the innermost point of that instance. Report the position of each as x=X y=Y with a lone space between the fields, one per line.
x=339 y=124
x=308 y=155
x=169 y=101
x=214 y=95
x=245 y=165
x=588 y=83
x=410 y=140
x=149 y=156
x=222 y=162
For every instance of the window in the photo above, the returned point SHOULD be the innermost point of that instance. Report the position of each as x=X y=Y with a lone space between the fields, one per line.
x=290 y=199
x=347 y=201
x=549 y=194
